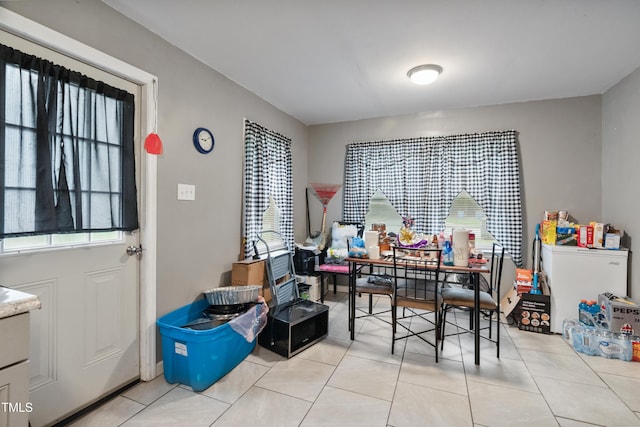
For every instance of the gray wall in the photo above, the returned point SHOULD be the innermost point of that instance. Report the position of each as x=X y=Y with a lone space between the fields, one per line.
x=560 y=145
x=197 y=241
x=565 y=164
x=620 y=171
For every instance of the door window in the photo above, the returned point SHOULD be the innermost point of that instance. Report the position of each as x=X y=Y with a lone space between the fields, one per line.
x=67 y=152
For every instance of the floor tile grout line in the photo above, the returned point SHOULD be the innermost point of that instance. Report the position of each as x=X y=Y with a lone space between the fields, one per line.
x=466 y=377
x=533 y=378
x=519 y=354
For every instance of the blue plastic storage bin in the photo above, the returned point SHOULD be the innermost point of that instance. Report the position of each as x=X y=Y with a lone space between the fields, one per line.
x=199 y=358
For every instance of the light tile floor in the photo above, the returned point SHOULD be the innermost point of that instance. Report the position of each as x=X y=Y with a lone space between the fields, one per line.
x=539 y=380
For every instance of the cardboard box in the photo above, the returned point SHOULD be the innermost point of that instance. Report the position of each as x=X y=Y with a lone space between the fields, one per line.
x=533 y=313
x=524 y=275
x=566 y=236
x=314 y=283
x=523 y=288
x=621 y=314
x=510 y=301
x=612 y=241
x=598 y=234
x=548 y=232
x=266 y=293
x=585 y=236
x=248 y=272
x=524 y=280
x=612 y=237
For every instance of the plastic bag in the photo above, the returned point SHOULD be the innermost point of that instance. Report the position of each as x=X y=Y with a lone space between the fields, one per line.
x=357 y=249
x=252 y=322
x=340 y=234
x=336 y=255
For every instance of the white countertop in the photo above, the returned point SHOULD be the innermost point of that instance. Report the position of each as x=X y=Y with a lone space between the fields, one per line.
x=14 y=302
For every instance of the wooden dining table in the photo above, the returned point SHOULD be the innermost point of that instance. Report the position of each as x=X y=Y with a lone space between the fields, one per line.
x=357 y=267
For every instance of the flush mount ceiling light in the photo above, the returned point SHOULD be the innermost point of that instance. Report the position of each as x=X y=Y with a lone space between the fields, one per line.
x=424 y=74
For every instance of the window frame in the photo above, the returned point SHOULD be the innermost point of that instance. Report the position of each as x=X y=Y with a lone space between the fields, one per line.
x=90 y=239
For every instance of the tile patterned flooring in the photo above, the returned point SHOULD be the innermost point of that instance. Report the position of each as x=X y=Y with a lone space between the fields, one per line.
x=539 y=380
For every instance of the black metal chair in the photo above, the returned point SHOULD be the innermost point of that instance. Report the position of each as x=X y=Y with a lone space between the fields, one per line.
x=489 y=300
x=417 y=289
x=378 y=281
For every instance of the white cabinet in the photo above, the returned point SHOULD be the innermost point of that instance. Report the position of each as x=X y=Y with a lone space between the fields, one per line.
x=14 y=352
x=575 y=273
x=14 y=371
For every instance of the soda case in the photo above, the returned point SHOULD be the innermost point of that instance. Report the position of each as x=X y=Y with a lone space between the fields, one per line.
x=589 y=313
x=595 y=341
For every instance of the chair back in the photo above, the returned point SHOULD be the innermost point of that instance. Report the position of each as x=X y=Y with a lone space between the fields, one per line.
x=417 y=278
x=495 y=275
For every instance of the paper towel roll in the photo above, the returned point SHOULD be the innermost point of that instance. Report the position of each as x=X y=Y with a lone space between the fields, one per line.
x=373 y=252
x=461 y=248
x=370 y=238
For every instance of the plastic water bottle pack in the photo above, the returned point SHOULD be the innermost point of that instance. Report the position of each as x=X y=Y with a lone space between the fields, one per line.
x=599 y=342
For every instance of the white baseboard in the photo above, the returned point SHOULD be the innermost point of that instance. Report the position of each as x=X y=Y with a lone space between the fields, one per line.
x=159 y=368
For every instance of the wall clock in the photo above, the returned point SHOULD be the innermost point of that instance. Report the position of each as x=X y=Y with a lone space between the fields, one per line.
x=203 y=140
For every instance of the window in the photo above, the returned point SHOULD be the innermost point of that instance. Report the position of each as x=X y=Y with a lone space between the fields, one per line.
x=466 y=213
x=67 y=156
x=422 y=176
x=270 y=222
x=381 y=211
x=268 y=175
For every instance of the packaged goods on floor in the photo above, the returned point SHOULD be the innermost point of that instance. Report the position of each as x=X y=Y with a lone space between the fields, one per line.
x=607 y=328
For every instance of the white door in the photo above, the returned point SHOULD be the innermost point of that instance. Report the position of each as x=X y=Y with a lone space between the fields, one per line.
x=84 y=339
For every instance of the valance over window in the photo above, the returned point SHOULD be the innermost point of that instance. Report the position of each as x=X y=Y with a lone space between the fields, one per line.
x=422 y=176
x=67 y=150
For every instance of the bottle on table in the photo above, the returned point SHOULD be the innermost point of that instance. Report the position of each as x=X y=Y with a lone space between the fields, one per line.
x=447 y=253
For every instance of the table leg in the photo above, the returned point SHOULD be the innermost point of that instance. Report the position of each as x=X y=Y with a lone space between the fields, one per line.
x=476 y=316
x=352 y=299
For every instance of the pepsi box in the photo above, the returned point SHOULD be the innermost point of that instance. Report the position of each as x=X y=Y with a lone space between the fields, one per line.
x=621 y=314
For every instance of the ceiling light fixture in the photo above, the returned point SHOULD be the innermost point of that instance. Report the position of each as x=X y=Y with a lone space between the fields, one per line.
x=424 y=74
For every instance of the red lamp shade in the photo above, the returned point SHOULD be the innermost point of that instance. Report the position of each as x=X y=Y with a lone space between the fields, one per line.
x=153 y=144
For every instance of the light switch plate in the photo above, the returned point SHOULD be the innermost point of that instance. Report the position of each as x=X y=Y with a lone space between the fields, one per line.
x=186 y=192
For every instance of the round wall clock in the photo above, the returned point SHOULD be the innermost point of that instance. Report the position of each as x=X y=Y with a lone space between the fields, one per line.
x=203 y=140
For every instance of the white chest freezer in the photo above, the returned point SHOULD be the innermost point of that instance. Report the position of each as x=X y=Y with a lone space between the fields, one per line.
x=576 y=273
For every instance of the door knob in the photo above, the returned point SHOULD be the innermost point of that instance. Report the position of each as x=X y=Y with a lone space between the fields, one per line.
x=134 y=250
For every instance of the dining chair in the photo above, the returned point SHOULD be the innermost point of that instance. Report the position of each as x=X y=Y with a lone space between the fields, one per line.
x=417 y=289
x=377 y=280
x=453 y=297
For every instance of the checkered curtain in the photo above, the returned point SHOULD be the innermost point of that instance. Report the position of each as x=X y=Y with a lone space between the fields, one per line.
x=268 y=171
x=422 y=176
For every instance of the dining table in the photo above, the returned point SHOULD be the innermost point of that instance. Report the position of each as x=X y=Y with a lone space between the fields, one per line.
x=357 y=266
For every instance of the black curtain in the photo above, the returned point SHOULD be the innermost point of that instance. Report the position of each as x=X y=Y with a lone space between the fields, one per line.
x=66 y=150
